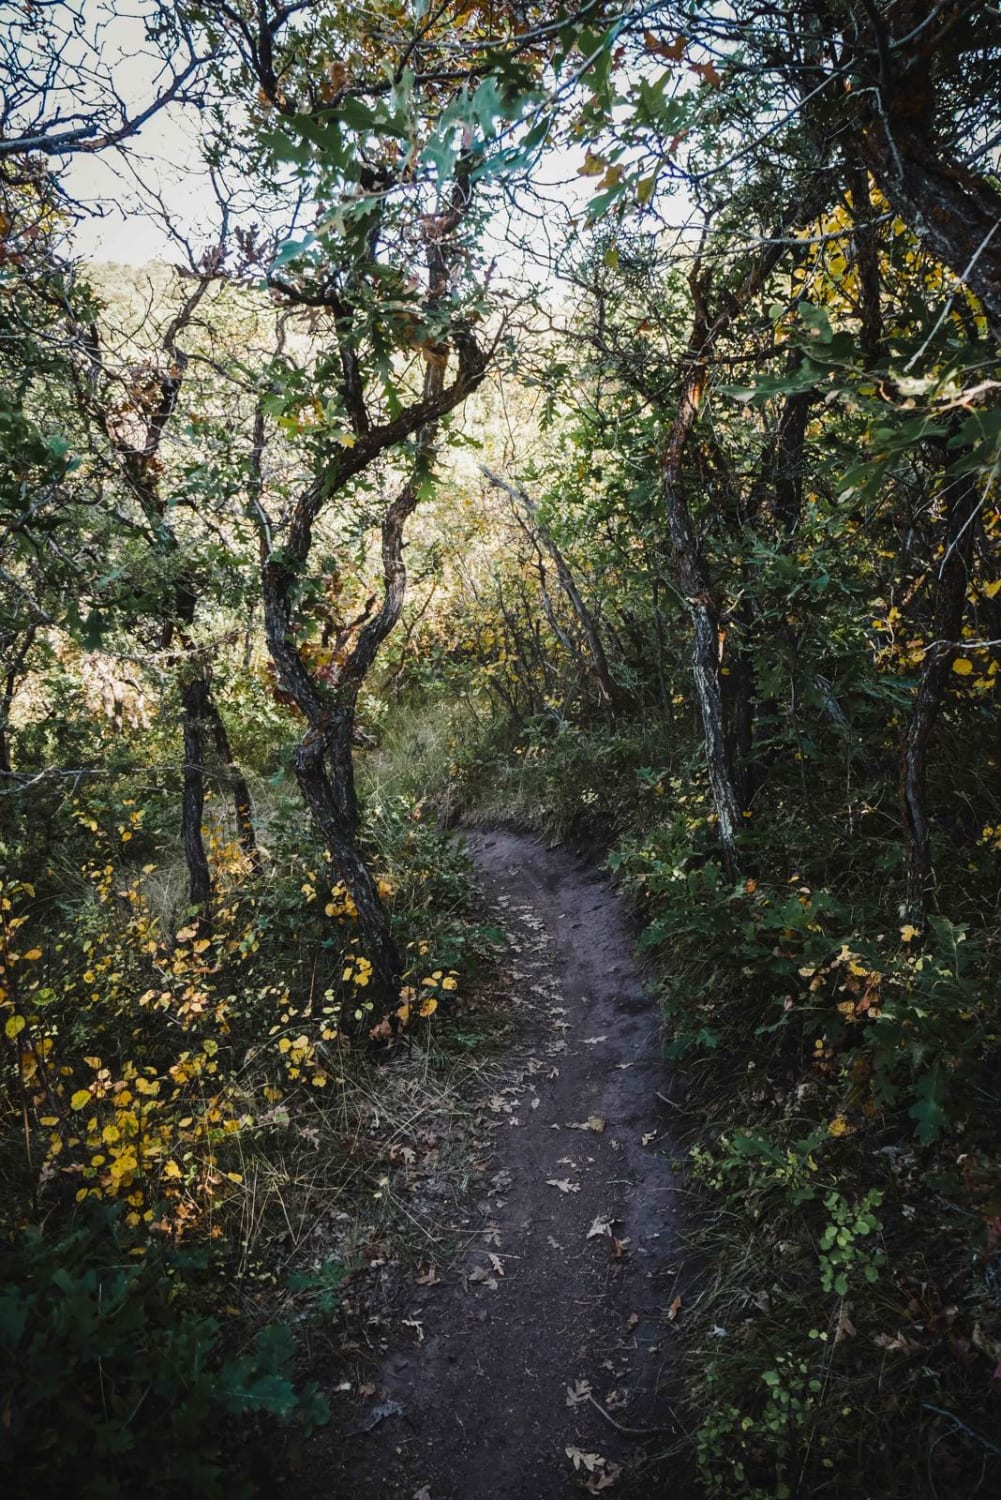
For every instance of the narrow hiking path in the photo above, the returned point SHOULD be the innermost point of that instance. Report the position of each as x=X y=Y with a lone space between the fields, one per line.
x=558 y=1297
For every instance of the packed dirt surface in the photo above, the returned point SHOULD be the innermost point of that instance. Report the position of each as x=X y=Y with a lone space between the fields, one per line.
x=534 y=1362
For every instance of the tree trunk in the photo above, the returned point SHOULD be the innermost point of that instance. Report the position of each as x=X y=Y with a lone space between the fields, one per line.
x=955 y=213
x=568 y=584
x=12 y=677
x=317 y=755
x=696 y=587
x=194 y=700
x=953 y=210
x=740 y=704
x=961 y=503
x=243 y=806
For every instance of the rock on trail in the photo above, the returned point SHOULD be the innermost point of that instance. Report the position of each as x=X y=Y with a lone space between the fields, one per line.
x=563 y=1295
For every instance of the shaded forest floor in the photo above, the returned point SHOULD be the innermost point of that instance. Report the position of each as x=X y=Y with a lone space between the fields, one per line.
x=530 y=1354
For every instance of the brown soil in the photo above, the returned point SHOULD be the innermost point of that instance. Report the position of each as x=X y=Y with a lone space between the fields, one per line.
x=550 y=1326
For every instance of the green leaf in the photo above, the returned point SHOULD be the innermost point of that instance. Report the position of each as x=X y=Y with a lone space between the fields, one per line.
x=928 y=1111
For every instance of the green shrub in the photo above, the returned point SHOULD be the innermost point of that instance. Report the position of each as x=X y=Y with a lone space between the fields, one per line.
x=114 y=1382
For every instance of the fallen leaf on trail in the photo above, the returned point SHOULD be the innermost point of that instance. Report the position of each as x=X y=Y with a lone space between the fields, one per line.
x=619 y=1248
x=602 y=1225
x=674 y=1309
x=846 y=1328
x=424 y=1493
x=481 y=1274
x=593 y=1122
x=589 y=1461
x=601 y=1474
x=428 y=1277
x=899 y=1345
x=492 y=1233
x=555 y=1243
x=564 y=1184
x=496 y=1262
x=623 y=1066
x=554 y=1072
x=592 y=1041
x=578 y=1392
x=632 y=1320
x=651 y=1135
x=368 y=1389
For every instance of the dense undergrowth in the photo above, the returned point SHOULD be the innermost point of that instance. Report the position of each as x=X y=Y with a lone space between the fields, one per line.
x=842 y=1120
x=204 y=1125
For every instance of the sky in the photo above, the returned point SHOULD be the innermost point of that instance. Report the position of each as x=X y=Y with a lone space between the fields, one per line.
x=128 y=196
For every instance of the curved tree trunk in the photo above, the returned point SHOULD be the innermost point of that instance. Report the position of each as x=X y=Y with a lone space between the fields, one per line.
x=953 y=210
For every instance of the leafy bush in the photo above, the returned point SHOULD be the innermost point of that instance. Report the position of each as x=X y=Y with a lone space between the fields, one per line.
x=115 y=1383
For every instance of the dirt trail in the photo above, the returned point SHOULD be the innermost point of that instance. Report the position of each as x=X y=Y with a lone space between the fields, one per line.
x=561 y=1297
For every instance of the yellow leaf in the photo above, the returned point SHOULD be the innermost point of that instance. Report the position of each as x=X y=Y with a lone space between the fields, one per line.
x=80 y=1099
x=429 y=1007
x=32 y=954
x=14 y=1027
x=201 y=945
x=838 y=1126
x=991 y=589
x=171 y=1171
x=909 y=933
x=593 y=166
x=644 y=189
x=449 y=984
x=962 y=667
x=186 y=934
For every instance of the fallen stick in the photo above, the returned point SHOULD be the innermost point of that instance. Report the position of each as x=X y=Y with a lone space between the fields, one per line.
x=627 y=1431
